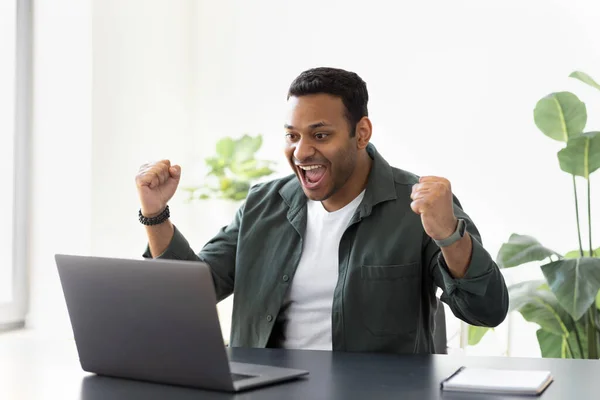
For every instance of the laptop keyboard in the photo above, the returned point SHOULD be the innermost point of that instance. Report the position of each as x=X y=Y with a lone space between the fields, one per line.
x=239 y=377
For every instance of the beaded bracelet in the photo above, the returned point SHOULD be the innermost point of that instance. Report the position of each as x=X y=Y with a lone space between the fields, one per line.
x=159 y=219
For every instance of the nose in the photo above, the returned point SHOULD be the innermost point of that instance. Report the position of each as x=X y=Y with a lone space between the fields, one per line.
x=303 y=150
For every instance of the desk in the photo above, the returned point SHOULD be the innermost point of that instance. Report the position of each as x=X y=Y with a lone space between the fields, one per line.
x=37 y=368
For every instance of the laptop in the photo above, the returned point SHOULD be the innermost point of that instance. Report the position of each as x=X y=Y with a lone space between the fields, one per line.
x=154 y=320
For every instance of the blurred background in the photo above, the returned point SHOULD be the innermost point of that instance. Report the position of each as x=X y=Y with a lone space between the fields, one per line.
x=92 y=89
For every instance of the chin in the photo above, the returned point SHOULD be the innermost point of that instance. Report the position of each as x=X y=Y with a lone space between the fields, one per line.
x=320 y=195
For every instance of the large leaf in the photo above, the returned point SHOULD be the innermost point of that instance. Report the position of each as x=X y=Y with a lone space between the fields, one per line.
x=551 y=345
x=581 y=157
x=563 y=346
x=585 y=78
x=522 y=293
x=537 y=304
x=560 y=116
x=575 y=283
x=476 y=333
x=544 y=310
x=521 y=249
x=586 y=253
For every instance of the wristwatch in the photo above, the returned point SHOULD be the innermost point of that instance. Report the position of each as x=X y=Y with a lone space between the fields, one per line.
x=461 y=228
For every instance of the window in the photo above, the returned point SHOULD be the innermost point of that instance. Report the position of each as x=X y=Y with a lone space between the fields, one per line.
x=15 y=82
x=8 y=42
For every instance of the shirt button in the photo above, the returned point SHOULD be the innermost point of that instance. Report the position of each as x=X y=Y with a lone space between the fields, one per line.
x=286 y=278
x=269 y=318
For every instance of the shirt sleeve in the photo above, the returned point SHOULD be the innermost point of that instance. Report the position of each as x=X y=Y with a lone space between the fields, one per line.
x=480 y=297
x=219 y=253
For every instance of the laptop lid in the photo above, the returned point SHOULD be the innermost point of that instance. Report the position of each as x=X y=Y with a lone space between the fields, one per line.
x=150 y=319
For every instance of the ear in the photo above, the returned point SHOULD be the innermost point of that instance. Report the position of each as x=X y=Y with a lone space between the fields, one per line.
x=363 y=132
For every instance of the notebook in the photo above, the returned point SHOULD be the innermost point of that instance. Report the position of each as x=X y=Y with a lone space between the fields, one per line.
x=489 y=380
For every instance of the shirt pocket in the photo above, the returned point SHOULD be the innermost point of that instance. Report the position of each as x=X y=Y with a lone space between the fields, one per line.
x=390 y=298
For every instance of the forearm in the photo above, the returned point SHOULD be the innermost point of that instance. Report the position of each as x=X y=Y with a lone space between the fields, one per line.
x=159 y=237
x=458 y=256
x=476 y=293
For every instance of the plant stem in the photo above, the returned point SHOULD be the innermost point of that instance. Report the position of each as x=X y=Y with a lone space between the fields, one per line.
x=589 y=198
x=577 y=216
x=591 y=330
x=569 y=347
x=578 y=338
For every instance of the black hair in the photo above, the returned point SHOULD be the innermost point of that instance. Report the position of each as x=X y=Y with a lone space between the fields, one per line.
x=337 y=82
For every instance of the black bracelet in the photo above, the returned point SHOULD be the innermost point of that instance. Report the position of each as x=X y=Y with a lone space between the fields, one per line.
x=159 y=219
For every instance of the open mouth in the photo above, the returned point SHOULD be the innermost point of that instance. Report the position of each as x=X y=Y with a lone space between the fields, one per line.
x=312 y=175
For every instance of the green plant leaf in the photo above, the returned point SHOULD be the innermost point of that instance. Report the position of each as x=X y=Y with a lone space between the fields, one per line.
x=243 y=166
x=538 y=304
x=585 y=78
x=560 y=346
x=239 y=196
x=226 y=148
x=232 y=169
x=225 y=184
x=586 y=253
x=551 y=345
x=476 y=333
x=522 y=293
x=575 y=282
x=521 y=249
x=581 y=157
x=581 y=328
x=598 y=300
x=258 y=173
x=246 y=147
x=560 y=116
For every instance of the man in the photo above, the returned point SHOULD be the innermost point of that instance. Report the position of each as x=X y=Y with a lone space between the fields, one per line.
x=346 y=253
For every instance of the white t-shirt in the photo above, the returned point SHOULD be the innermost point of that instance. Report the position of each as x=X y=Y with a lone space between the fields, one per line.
x=308 y=303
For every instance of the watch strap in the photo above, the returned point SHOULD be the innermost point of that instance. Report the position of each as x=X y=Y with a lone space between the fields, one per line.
x=456 y=236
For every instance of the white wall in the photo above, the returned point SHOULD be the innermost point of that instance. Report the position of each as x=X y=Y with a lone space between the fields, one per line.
x=143 y=102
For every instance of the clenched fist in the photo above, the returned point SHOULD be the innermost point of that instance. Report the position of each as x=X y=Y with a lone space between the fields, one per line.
x=432 y=200
x=156 y=184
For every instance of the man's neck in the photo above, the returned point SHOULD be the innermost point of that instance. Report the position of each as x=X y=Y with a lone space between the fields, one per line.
x=353 y=187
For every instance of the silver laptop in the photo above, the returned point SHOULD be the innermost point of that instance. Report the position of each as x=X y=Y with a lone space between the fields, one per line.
x=153 y=320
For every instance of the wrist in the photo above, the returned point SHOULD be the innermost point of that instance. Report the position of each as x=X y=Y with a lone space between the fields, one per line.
x=451 y=228
x=457 y=234
x=152 y=213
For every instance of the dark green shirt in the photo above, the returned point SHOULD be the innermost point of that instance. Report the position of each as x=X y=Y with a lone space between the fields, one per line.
x=389 y=269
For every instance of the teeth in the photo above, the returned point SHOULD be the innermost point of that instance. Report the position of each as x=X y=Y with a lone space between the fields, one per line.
x=309 y=167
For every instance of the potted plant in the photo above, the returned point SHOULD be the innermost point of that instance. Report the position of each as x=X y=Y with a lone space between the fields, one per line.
x=232 y=170
x=566 y=303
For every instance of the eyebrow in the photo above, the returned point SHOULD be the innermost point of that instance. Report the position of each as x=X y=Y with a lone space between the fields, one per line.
x=320 y=124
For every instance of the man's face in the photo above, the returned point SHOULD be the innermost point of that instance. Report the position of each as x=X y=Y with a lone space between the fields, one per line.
x=318 y=144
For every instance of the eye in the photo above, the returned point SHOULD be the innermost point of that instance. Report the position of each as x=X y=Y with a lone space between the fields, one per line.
x=290 y=136
x=321 y=135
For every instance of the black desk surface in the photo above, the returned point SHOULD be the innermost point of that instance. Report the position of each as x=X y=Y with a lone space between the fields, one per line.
x=49 y=369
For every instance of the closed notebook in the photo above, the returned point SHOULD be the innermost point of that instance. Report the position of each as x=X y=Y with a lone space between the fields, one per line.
x=489 y=380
